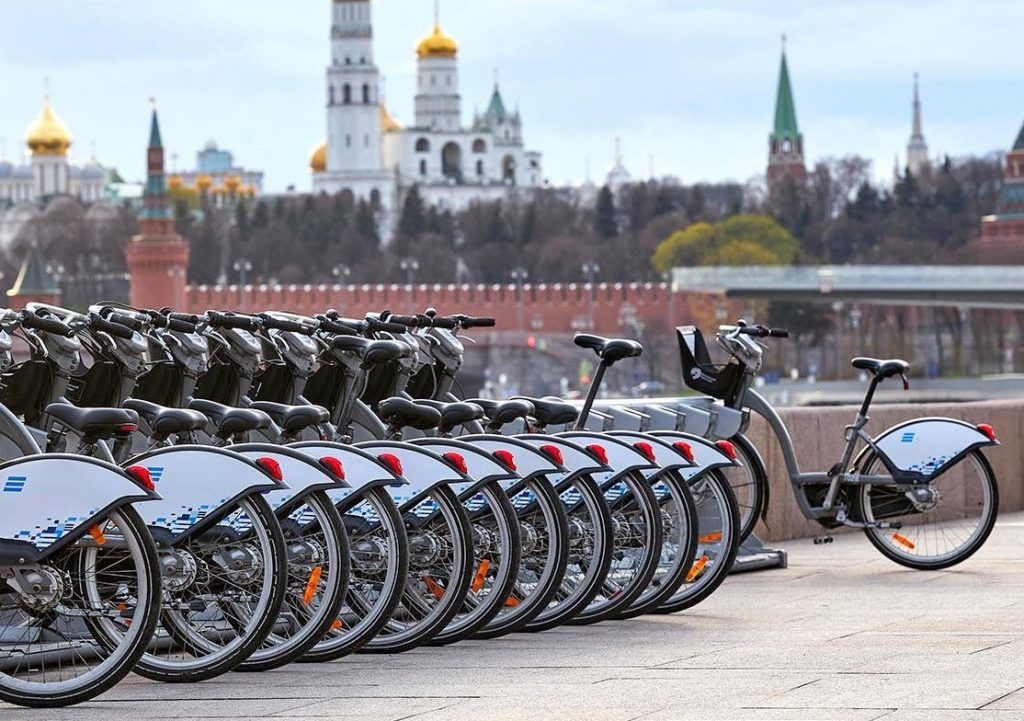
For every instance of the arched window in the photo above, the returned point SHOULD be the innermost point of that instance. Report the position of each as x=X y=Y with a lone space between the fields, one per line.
x=375 y=199
x=366 y=94
x=508 y=170
x=479 y=167
x=451 y=161
x=422 y=145
x=331 y=91
x=479 y=146
x=348 y=141
x=423 y=167
x=346 y=94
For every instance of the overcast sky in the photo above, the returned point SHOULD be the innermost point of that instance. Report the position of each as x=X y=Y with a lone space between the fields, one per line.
x=691 y=82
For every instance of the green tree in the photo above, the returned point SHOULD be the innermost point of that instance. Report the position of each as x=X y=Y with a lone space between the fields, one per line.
x=740 y=240
x=606 y=224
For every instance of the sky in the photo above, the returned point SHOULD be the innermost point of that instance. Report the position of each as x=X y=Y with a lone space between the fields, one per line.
x=688 y=83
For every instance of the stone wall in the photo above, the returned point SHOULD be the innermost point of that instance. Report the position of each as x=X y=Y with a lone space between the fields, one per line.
x=818 y=436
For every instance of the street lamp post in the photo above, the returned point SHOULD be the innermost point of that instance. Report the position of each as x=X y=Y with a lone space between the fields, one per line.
x=590 y=271
x=341 y=273
x=410 y=265
x=519 y=277
x=242 y=266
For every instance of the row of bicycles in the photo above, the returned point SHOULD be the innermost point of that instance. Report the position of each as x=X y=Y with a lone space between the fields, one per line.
x=186 y=495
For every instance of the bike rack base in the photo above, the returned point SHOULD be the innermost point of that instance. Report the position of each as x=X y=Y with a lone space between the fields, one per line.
x=753 y=556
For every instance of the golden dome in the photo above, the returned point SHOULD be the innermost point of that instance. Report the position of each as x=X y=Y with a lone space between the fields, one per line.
x=438 y=44
x=48 y=135
x=387 y=120
x=248 y=190
x=232 y=183
x=318 y=158
x=174 y=182
x=203 y=182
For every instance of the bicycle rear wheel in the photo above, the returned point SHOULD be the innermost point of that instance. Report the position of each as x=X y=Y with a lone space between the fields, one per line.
x=440 y=572
x=749 y=483
x=380 y=563
x=54 y=650
x=943 y=526
x=318 y=571
x=637 y=540
x=718 y=542
x=497 y=550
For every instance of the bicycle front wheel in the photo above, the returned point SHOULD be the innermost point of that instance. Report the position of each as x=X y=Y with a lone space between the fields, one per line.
x=940 y=524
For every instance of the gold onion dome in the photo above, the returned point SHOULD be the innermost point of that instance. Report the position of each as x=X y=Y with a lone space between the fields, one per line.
x=174 y=182
x=438 y=44
x=318 y=158
x=387 y=120
x=48 y=135
x=232 y=183
x=203 y=182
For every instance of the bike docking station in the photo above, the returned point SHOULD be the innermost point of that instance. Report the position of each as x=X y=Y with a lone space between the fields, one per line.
x=696 y=416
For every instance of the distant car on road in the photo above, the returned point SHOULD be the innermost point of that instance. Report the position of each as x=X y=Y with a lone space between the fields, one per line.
x=649 y=389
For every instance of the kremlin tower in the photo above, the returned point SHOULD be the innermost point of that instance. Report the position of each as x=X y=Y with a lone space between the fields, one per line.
x=785 y=144
x=1002 y=234
x=157 y=257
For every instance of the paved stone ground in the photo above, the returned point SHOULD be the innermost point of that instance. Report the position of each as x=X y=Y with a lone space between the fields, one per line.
x=841 y=634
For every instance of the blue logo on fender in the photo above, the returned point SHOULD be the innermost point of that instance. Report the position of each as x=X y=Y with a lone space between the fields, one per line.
x=908 y=438
x=155 y=473
x=15 y=484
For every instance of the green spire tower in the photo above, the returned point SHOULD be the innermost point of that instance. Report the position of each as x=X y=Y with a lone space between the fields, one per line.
x=786 y=143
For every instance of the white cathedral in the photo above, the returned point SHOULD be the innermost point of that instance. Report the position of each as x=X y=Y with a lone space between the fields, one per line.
x=376 y=158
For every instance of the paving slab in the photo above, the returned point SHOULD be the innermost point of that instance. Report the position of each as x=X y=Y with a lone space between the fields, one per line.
x=840 y=634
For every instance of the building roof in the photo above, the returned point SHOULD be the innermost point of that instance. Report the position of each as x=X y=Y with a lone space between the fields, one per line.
x=785 y=109
x=48 y=135
x=154 y=133
x=496 y=113
x=34 y=278
x=1019 y=143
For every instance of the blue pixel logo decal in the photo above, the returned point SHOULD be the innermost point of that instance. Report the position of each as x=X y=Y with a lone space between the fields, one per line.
x=155 y=473
x=15 y=484
x=907 y=437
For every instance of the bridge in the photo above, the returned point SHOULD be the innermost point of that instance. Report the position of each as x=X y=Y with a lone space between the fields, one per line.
x=968 y=286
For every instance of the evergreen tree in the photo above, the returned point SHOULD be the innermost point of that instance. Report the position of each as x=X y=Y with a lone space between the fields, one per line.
x=412 y=222
x=606 y=224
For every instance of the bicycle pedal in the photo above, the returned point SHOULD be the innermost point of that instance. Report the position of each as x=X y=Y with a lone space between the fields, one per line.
x=821 y=540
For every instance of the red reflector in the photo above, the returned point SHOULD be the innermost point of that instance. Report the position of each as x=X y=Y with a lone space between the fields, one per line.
x=599 y=452
x=646 y=449
x=142 y=475
x=128 y=428
x=271 y=466
x=685 y=449
x=552 y=452
x=727 y=448
x=506 y=458
x=987 y=430
x=456 y=460
x=393 y=462
x=333 y=465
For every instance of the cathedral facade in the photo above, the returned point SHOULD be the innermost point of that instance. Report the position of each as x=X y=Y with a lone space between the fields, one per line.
x=376 y=158
x=48 y=172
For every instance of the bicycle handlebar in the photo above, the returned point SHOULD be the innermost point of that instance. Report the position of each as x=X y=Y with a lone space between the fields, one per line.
x=331 y=326
x=467 y=321
x=285 y=325
x=763 y=331
x=122 y=319
x=224 y=320
x=48 y=325
x=116 y=329
x=379 y=326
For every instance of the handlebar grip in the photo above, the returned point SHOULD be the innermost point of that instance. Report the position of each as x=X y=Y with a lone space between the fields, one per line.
x=778 y=333
x=330 y=326
x=223 y=320
x=126 y=320
x=48 y=325
x=470 y=322
x=448 y=323
x=284 y=324
x=379 y=326
x=182 y=326
x=187 y=317
x=409 y=321
x=115 y=329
